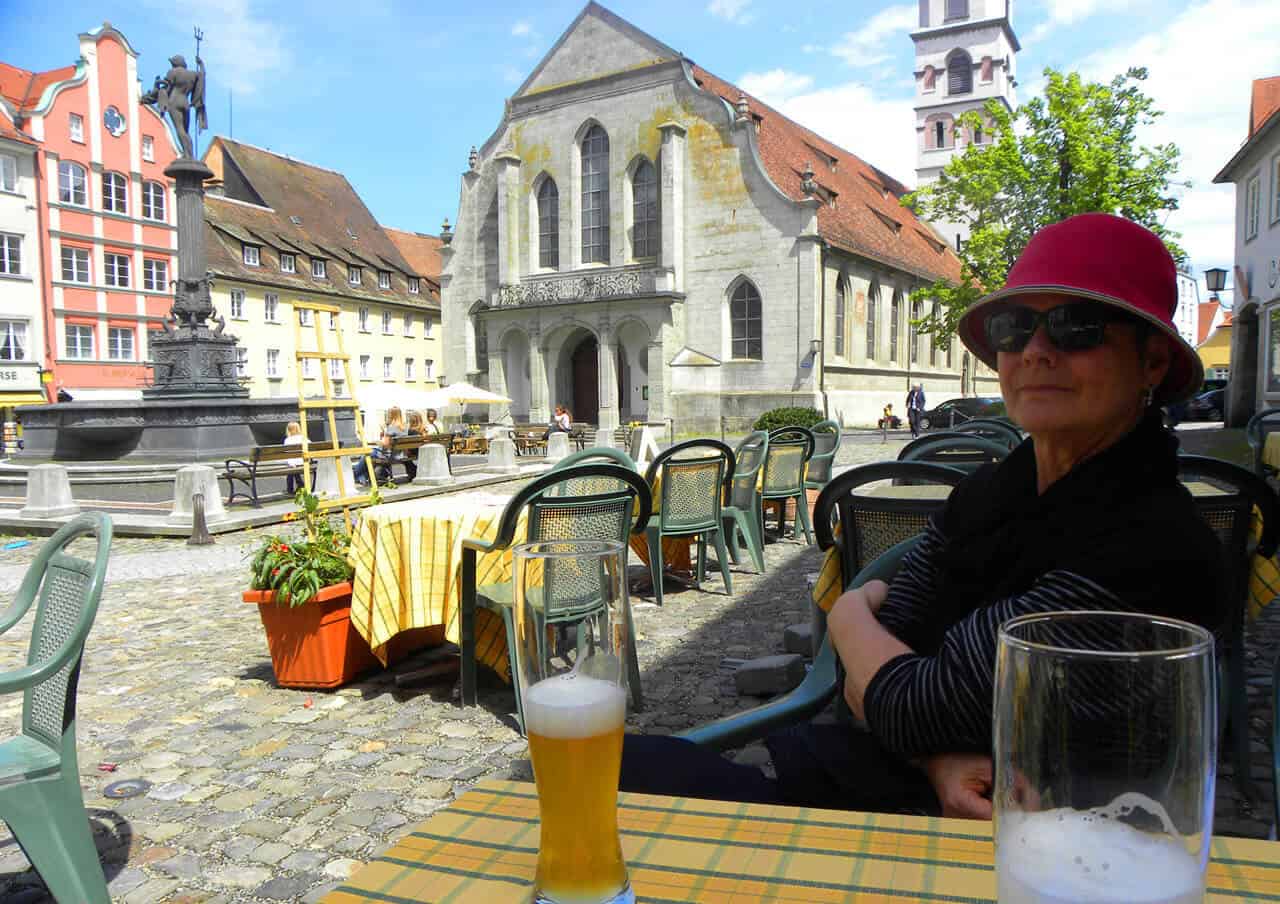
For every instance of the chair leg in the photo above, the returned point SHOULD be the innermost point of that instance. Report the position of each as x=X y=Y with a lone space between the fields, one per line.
x=722 y=554
x=700 y=575
x=1239 y=724
x=729 y=523
x=513 y=646
x=49 y=820
x=802 y=518
x=633 y=659
x=754 y=546
x=654 y=539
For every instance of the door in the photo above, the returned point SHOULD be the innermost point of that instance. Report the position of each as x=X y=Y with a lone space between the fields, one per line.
x=585 y=363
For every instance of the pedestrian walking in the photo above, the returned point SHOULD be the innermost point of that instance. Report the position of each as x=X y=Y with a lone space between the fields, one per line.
x=915 y=407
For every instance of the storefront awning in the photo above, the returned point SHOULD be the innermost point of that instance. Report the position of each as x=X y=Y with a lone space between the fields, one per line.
x=10 y=399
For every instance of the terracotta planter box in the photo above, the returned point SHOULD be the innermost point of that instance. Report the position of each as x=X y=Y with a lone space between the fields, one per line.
x=316 y=646
x=791 y=505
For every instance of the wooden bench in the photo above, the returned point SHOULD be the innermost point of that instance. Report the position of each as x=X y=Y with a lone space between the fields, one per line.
x=579 y=433
x=404 y=450
x=263 y=462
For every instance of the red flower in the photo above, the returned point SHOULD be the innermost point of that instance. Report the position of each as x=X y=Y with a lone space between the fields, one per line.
x=275 y=571
x=283 y=548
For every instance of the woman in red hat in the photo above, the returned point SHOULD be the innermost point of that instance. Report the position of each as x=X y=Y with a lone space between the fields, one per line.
x=1086 y=514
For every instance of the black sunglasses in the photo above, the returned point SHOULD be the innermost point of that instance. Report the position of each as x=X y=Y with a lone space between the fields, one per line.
x=1072 y=327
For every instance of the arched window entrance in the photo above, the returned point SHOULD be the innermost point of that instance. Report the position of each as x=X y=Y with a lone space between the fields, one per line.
x=584 y=366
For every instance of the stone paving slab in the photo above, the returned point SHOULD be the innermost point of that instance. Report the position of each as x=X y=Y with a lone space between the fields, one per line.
x=264 y=794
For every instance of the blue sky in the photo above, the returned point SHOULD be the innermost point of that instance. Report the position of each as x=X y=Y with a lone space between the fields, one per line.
x=393 y=94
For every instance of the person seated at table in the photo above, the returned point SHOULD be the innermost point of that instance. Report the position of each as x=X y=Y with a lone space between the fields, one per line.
x=381 y=453
x=432 y=426
x=293 y=437
x=1089 y=514
x=416 y=428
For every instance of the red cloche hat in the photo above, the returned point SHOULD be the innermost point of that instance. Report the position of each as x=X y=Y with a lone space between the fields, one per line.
x=1105 y=258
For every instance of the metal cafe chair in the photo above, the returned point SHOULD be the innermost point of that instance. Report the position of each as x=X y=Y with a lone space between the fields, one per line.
x=741 y=514
x=967 y=452
x=790 y=449
x=826 y=443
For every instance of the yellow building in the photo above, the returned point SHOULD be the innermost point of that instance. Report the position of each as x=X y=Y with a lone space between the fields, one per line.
x=1215 y=349
x=278 y=232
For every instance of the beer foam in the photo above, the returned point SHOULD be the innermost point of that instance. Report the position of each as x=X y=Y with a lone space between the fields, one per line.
x=1070 y=855
x=574 y=706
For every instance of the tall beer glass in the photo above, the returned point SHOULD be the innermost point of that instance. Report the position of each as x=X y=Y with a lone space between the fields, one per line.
x=572 y=636
x=1105 y=755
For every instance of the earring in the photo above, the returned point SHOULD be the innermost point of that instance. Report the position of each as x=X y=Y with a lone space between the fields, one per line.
x=1148 y=396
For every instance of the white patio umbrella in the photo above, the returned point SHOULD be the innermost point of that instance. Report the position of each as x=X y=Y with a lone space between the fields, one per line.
x=375 y=399
x=464 y=394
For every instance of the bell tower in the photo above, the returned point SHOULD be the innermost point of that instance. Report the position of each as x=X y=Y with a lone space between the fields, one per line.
x=964 y=57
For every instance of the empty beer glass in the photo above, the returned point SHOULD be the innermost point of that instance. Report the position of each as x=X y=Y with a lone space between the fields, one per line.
x=571 y=630
x=1105 y=755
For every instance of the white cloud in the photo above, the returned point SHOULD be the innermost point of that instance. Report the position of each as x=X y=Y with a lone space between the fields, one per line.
x=734 y=11
x=882 y=131
x=874 y=42
x=520 y=29
x=1205 y=100
x=1069 y=12
x=243 y=52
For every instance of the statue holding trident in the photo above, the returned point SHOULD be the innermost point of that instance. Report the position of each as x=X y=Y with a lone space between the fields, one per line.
x=177 y=93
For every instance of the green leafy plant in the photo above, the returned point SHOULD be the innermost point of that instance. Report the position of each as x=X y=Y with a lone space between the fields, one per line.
x=787 y=417
x=296 y=569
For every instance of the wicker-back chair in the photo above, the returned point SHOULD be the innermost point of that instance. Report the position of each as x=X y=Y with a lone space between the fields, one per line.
x=742 y=512
x=964 y=451
x=605 y=455
x=790 y=449
x=689 y=481
x=40 y=795
x=612 y=514
x=826 y=443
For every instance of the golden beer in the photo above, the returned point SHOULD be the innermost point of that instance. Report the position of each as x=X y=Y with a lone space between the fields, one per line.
x=574 y=725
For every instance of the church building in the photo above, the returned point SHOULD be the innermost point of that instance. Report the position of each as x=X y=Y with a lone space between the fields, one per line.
x=640 y=240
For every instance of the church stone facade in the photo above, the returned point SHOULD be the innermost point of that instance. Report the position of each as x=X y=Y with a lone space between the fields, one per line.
x=641 y=241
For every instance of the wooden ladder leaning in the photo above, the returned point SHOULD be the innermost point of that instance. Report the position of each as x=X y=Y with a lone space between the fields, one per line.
x=328 y=403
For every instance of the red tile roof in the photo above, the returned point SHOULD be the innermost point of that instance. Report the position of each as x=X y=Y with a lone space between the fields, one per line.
x=867 y=218
x=422 y=251
x=1207 y=311
x=23 y=88
x=1264 y=103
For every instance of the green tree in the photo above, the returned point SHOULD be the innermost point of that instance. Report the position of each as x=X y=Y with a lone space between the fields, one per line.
x=1074 y=150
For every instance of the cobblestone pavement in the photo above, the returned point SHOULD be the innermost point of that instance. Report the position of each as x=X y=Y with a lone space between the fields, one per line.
x=265 y=794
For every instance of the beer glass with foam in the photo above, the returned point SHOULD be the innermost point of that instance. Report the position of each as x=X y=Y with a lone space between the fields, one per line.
x=571 y=629
x=1105 y=746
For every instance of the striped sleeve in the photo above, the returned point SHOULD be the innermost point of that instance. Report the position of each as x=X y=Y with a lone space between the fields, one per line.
x=920 y=705
x=910 y=610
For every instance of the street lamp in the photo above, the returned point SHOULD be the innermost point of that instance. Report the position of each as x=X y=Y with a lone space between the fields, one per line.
x=1215 y=279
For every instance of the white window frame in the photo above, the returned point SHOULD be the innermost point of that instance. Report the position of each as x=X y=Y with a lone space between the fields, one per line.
x=148 y=149
x=78 y=256
x=75 y=127
x=408 y=369
x=237 y=304
x=154 y=201
x=319 y=269
x=116 y=351
x=384 y=279
x=365 y=361
x=155 y=274
x=10 y=253
x=288 y=263
x=335 y=369
x=271 y=307
x=388 y=362
x=333 y=321
x=308 y=368
x=252 y=255
x=414 y=288
x=115 y=270
x=430 y=368
x=242 y=362
x=273 y=364
x=427 y=325
x=355 y=275
x=81 y=331
x=386 y=323
x=13 y=334
x=115 y=193
x=362 y=318
x=8 y=173
x=304 y=316
x=408 y=324
x=75 y=176
x=1252 y=206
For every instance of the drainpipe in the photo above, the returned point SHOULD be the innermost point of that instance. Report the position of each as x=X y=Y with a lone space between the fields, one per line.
x=45 y=282
x=820 y=357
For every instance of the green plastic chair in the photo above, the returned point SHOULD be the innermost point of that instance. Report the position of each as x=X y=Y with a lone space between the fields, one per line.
x=993 y=429
x=40 y=795
x=741 y=515
x=613 y=514
x=691 y=505
x=784 y=465
x=827 y=436
x=588 y=485
x=815 y=692
x=964 y=451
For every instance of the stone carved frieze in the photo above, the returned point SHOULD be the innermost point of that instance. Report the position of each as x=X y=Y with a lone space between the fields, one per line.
x=582 y=287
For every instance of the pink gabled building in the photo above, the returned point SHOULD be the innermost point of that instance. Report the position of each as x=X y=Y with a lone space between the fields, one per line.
x=106 y=210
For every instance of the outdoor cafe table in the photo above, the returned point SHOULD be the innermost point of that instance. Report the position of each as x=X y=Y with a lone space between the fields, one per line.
x=483 y=848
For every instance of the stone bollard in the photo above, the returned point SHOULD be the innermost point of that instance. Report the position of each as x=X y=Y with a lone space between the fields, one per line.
x=799 y=639
x=644 y=445
x=769 y=675
x=49 y=493
x=557 y=447
x=433 y=466
x=502 y=457
x=189 y=481
x=327 y=478
x=200 y=535
x=605 y=440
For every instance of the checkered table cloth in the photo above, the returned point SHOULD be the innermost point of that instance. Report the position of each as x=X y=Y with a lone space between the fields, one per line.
x=484 y=846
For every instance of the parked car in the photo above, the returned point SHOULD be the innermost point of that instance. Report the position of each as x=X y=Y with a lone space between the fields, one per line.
x=957 y=411
x=1208 y=406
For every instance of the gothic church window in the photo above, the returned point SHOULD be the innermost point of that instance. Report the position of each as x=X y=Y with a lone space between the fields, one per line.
x=959 y=73
x=745 y=322
x=549 y=225
x=646 y=229
x=840 y=317
x=895 y=317
x=595 y=197
x=873 y=305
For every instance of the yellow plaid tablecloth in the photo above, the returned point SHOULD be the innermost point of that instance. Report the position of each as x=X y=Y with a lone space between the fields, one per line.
x=408 y=571
x=483 y=848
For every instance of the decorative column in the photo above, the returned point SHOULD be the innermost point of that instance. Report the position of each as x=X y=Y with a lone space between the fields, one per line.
x=539 y=409
x=671 y=205
x=508 y=176
x=498 y=380
x=657 y=381
x=607 y=373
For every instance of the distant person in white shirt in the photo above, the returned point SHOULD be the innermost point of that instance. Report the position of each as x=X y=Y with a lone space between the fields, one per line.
x=293 y=437
x=432 y=425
